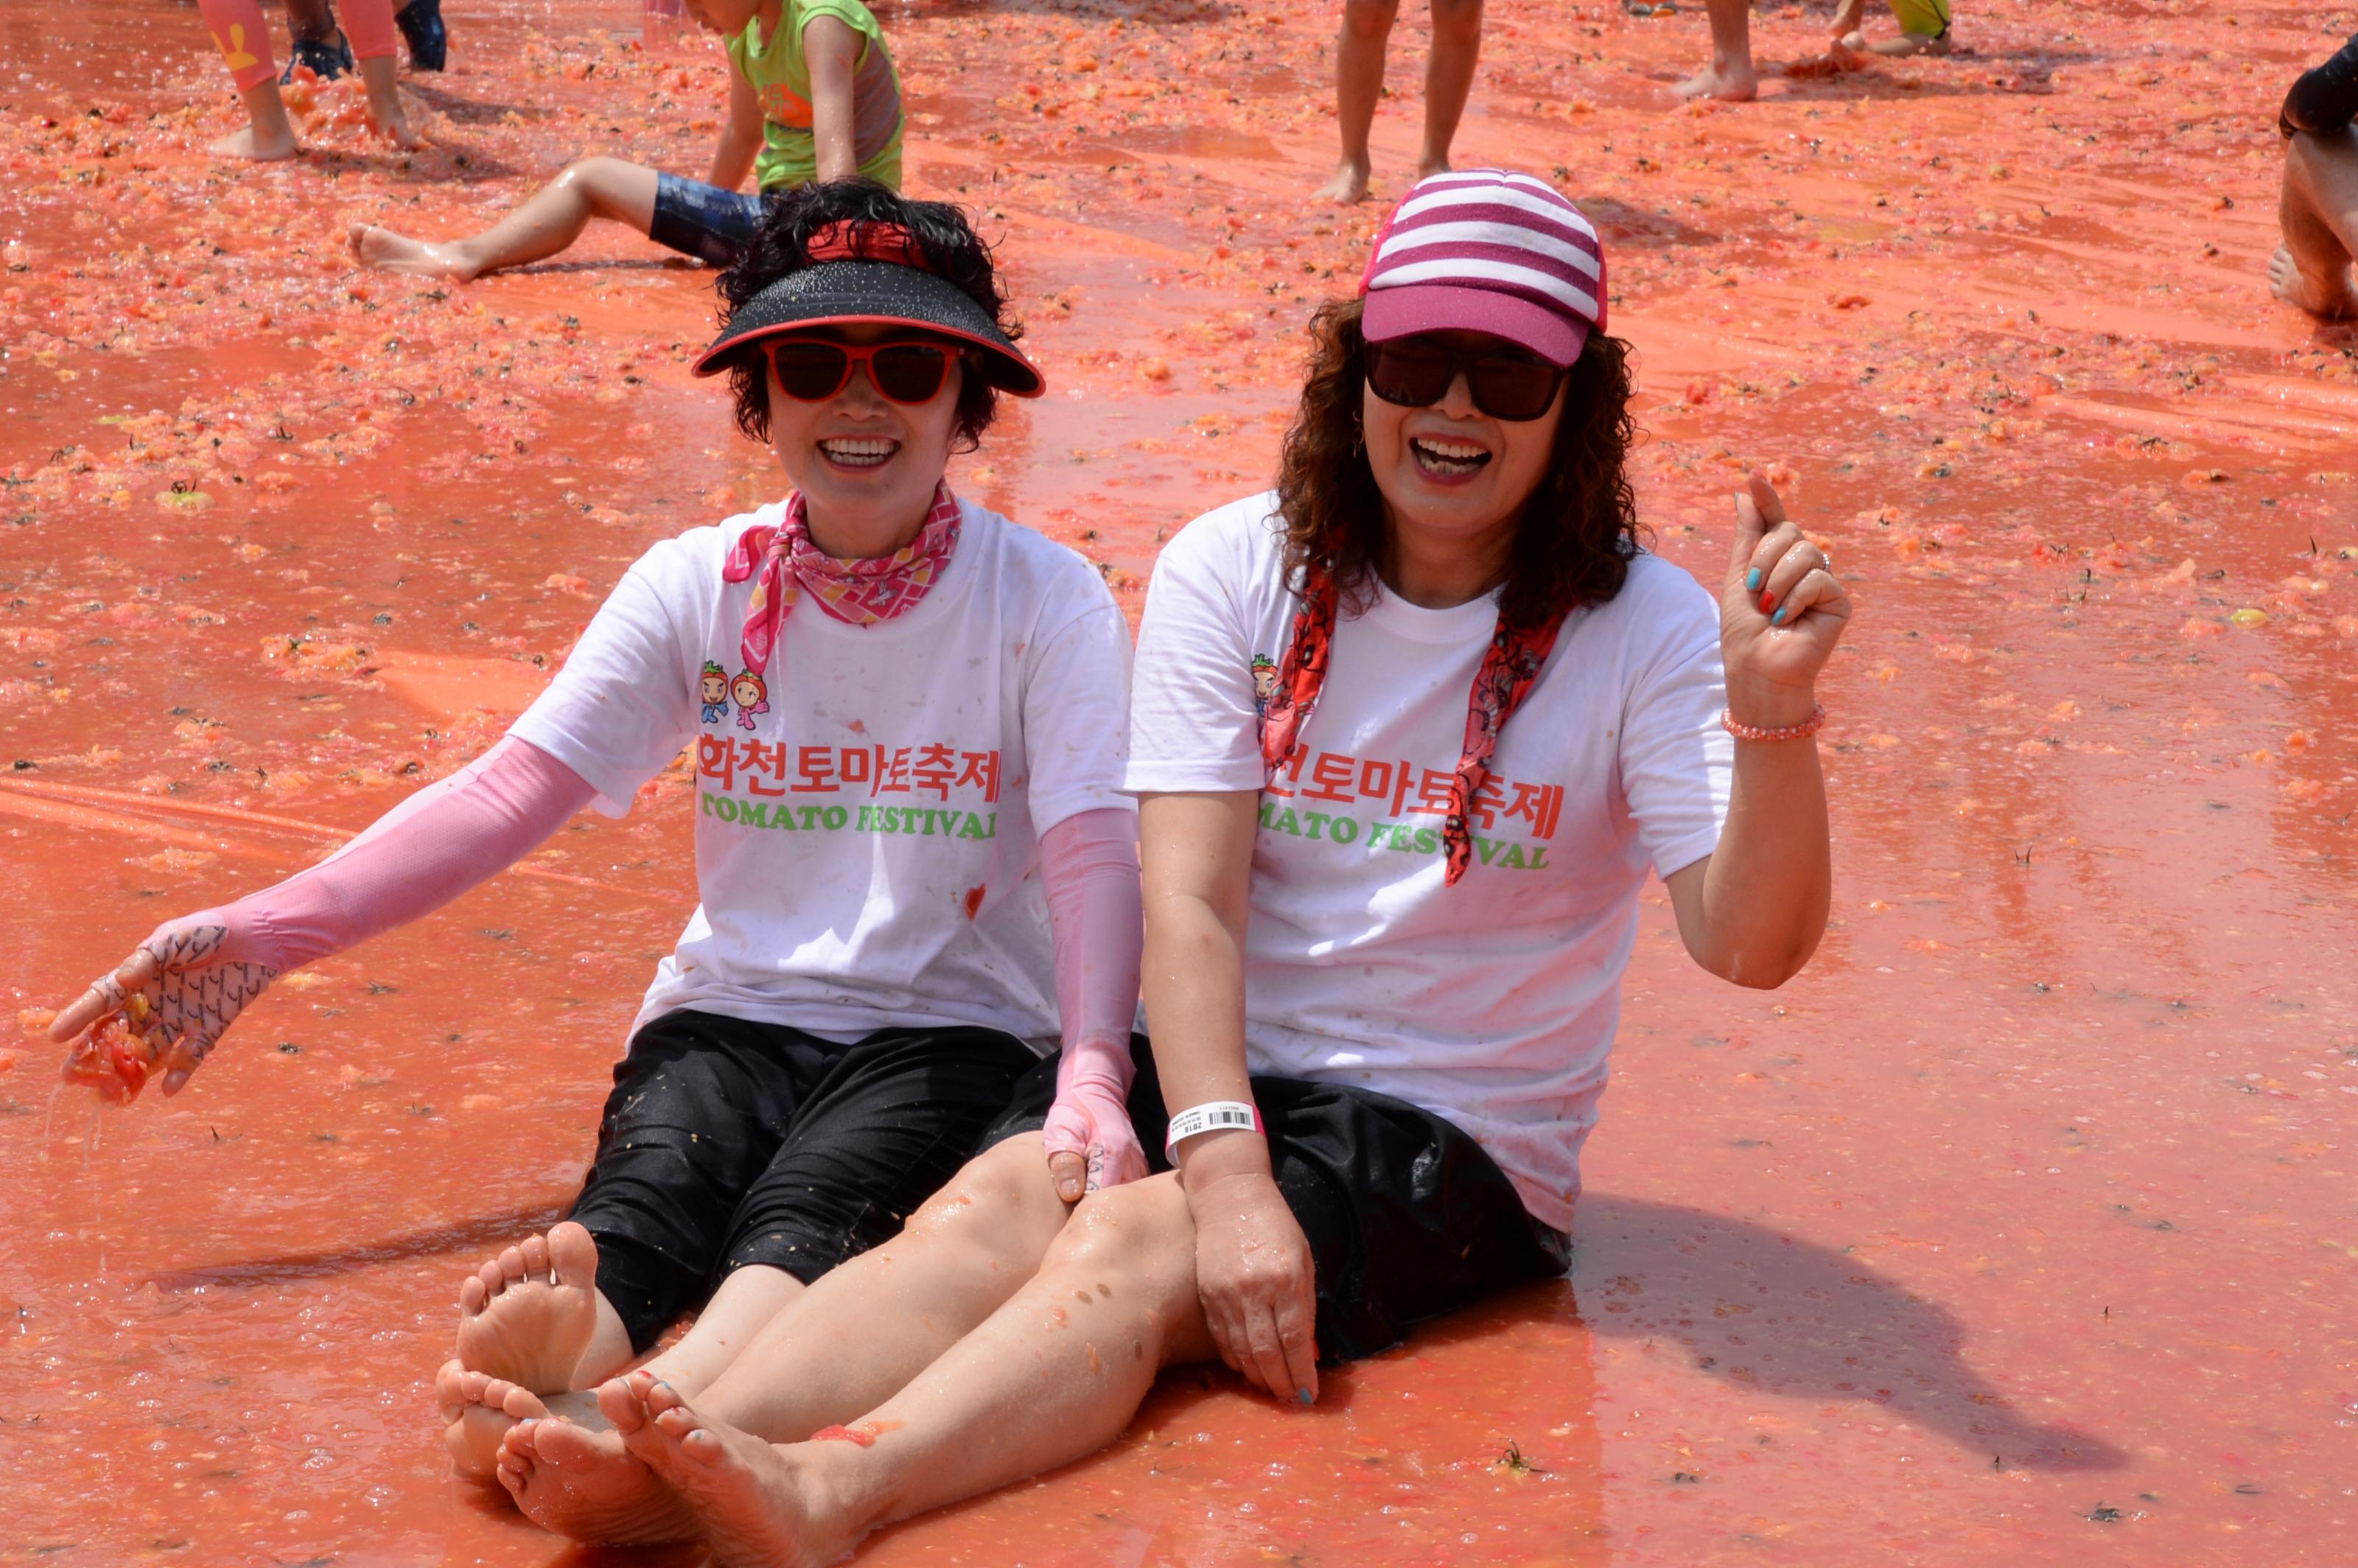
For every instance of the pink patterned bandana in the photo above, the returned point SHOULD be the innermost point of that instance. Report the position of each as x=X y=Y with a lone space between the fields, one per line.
x=862 y=592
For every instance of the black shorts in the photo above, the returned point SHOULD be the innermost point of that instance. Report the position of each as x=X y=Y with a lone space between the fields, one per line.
x=727 y=1142
x=1406 y=1215
x=704 y=221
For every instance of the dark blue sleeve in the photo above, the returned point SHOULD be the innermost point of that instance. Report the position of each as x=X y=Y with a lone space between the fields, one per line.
x=2325 y=99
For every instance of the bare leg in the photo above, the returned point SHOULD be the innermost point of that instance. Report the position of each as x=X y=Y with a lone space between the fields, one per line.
x=1053 y=1375
x=311 y=21
x=1448 y=78
x=268 y=135
x=384 y=111
x=1849 y=15
x=847 y=1344
x=1358 y=82
x=1730 y=74
x=550 y=221
x=2319 y=210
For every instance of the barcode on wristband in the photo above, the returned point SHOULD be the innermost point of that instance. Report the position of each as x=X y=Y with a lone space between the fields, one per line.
x=1218 y=1115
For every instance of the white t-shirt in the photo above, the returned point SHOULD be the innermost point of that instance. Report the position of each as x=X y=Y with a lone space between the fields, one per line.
x=866 y=848
x=1492 y=1003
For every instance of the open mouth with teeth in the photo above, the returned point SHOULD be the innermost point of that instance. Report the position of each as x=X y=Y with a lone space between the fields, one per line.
x=858 y=451
x=1449 y=460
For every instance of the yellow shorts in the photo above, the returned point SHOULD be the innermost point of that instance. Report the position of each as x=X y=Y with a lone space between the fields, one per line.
x=1921 y=18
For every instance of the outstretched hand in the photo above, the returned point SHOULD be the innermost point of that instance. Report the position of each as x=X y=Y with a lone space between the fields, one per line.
x=166 y=1006
x=1782 y=610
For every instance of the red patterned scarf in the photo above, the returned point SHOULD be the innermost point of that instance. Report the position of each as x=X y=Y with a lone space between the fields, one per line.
x=862 y=592
x=1509 y=667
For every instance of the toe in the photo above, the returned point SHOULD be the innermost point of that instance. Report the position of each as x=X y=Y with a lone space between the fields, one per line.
x=449 y=1386
x=572 y=1254
x=472 y=1294
x=511 y=1268
x=619 y=1403
x=704 y=1447
x=662 y=1399
x=535 y=1257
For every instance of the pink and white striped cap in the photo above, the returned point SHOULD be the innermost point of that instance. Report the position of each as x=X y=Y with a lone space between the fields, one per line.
x=1482 y=250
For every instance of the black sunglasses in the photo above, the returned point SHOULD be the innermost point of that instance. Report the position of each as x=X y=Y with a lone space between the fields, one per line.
x=813 y=370
x=1507 y=383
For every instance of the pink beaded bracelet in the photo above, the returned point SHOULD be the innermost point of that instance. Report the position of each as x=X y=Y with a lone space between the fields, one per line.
x=1810 y=726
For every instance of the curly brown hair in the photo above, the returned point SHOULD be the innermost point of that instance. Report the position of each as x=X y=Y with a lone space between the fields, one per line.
x=1577 y=533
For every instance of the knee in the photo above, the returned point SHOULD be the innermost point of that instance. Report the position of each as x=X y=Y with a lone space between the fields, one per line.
x=1456 y=21
x=1004 y=1186
x=1370 y=18
x=591 y=177
x=1130 y=1233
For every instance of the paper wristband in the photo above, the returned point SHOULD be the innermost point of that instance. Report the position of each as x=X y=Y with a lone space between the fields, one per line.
x=1214 y=1117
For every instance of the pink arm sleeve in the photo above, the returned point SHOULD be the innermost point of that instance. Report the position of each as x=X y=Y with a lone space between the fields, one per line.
x=1088 y=864
x=426 y=851
x=243 y=39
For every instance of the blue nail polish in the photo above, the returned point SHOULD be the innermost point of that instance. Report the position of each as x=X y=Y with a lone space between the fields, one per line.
x=1301 y=1395
x=1778 y=619
x=1752 y=580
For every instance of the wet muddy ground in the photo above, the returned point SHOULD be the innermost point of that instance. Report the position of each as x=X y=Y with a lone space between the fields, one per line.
x=2016 y=1230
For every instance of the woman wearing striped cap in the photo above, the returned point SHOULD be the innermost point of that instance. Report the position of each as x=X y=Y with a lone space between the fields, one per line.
x=1390 y=888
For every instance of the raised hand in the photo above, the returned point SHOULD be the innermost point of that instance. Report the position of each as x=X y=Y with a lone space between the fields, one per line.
x=1782 y=610
x=164 y=1005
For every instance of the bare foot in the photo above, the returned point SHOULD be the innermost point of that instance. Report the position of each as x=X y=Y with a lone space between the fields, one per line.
x=1348 y=186
x=582 y=1483
x=2333 y=299
x=759 y=1505
x=394 y=127
x=249 y=142
x=389 y=251
x=1733 y=83
x=478 y=1410
x=1427 y=168
x=528 y=1314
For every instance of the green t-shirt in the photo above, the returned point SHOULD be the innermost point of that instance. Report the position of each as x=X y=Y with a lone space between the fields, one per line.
x=780 y=80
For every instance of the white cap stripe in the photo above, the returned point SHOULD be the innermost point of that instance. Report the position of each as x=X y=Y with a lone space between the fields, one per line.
x=1460 y=267
x=1554 y=209
x=1476 y=232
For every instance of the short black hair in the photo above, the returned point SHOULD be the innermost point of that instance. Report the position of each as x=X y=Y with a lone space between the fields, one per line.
x=945 y=238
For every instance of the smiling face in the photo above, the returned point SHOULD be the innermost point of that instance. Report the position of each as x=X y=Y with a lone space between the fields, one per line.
x=1451 y=470
x=748 y=691
x=716 y=687
x=866 y=465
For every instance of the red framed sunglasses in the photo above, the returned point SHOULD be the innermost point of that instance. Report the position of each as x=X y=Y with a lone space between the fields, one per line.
x=813 y=370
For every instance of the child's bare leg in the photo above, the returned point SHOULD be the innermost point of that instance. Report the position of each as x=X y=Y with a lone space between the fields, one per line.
x=1053 y=1375
x=850 y=1342
x=1448 y=78
x=242 y=36
x=1730 y=74
x=386 y=115
x=2319 y=212
x=1849 y=14
x=546 y=223
x=1358 y=82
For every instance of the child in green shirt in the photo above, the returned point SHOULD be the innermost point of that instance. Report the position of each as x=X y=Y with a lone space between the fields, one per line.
x=812 y=96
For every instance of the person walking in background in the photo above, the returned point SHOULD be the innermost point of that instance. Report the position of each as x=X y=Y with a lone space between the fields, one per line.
x=2319 y=208
x=1359 y=82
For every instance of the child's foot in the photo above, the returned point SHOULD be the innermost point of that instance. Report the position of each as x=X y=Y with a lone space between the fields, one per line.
x=528 y=1314
x=2332 y=299
x=579 y=1482
x=1733 y=83
x=1350 y=184
x=388 y=252
x=756 y=1503
x=385 y=117
x=251 y=143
